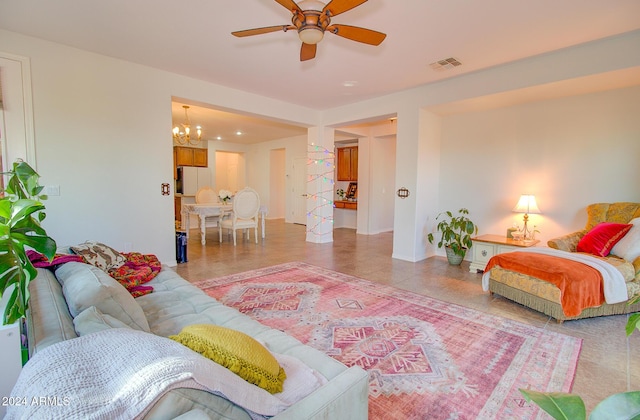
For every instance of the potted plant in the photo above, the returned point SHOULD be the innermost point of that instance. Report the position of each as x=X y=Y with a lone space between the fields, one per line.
x=21 y=212
x=456 y=234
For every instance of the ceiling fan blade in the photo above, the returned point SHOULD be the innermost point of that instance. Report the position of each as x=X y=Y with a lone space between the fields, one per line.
x=265 y=30
x=308 y=51
x=290 y=5
x=335 y=7
x=354 y=33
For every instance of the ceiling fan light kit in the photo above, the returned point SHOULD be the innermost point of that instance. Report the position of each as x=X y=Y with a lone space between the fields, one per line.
x=311 y=18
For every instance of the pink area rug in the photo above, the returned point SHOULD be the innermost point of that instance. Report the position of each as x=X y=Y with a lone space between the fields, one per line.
x=427 y=359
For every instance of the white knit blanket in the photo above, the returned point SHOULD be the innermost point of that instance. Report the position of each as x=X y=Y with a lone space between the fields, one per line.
x=119 y=374
x=615 y=288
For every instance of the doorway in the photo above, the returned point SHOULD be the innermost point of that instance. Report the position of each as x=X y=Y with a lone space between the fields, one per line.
x=230 y=171
x=299 y=191
x=277 y=187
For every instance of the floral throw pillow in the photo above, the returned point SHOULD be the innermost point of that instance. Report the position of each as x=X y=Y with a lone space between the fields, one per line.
x=99 y=255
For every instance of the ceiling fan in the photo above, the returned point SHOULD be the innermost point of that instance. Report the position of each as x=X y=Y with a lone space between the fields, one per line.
x=311 y=18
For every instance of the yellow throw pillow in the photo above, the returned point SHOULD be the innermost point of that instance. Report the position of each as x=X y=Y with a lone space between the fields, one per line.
x=236 y=351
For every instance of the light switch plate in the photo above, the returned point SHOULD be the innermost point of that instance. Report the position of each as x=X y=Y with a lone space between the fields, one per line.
x=53 y=190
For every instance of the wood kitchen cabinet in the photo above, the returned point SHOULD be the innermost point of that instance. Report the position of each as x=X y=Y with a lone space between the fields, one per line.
x=347 y=158
x=349 y=205
x=191 y=156
x=178 y=208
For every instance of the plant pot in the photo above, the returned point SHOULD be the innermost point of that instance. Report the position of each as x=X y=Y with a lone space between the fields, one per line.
x=452 y=257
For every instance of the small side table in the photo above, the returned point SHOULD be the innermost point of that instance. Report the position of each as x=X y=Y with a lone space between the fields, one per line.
x=486 y=246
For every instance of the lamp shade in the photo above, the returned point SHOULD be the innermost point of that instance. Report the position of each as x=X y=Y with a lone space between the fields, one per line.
x=527 y=204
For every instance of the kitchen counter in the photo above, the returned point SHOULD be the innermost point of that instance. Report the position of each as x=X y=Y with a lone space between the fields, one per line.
x=344 y=204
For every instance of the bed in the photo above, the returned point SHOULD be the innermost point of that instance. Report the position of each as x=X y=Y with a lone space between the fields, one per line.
x=523 y=278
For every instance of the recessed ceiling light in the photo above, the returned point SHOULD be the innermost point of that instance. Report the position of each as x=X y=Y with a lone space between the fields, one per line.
x=350 y=83
x=219 y=138
x=238 y=133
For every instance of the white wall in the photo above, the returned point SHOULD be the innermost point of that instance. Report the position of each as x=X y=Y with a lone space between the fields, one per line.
x=103 y=134
x=418 y=152
x=277 y=184
x=230 y=171
x=568 y=152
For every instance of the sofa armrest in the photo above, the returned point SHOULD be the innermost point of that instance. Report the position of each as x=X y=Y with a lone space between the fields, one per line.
x=344 y=397
x=568 y=242
x=48 y=317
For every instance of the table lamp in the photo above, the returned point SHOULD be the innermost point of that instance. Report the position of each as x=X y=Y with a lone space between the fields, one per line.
x=527 y=205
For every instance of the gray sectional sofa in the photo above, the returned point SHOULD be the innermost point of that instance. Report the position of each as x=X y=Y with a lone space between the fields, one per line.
x=174 y=304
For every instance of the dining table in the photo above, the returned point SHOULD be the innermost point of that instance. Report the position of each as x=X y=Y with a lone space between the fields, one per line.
x=203 y=211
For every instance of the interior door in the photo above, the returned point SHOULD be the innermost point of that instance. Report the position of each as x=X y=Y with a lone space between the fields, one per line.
x=299 y=191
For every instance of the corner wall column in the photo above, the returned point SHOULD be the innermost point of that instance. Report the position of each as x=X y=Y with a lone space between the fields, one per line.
x=417 y=169
x=320 y=184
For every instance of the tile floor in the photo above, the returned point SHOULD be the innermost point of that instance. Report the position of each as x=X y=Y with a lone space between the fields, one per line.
x=606 y=364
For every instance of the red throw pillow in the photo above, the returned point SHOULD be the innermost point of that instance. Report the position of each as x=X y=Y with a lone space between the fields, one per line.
x=602 y=238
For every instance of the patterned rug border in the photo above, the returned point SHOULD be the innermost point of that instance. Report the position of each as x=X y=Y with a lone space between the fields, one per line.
x=571 y=353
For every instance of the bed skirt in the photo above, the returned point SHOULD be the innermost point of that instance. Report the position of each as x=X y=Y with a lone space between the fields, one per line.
x=544 y=297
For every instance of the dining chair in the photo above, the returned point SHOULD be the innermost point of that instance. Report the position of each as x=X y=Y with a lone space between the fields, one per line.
x=207 y=195
x=246 y=206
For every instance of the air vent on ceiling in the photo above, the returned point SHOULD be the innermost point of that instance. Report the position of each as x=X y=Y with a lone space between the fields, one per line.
x=446 y=64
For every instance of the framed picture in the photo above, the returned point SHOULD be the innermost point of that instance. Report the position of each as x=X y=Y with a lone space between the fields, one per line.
x=352 y=191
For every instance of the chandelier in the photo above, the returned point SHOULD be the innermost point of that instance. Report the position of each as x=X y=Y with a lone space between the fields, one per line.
x=184 y=136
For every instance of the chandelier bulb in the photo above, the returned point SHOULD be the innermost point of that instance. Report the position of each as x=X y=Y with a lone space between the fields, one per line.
x=185 y=137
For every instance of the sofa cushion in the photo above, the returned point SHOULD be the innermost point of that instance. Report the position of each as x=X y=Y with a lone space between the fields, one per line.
x=84 y=285
x=92 y=320
x=236 y=351
x=102 y=256
x=602 y=238
x=629 y=246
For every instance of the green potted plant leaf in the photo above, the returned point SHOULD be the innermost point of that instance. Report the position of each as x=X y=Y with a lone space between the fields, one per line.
x=562 y=406
x=21 y=212
x=456 y=234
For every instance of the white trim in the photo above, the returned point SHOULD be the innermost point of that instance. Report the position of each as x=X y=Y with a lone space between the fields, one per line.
x=29 y=145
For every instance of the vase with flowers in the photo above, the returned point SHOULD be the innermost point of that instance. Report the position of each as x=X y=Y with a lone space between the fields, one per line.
x=225 y=196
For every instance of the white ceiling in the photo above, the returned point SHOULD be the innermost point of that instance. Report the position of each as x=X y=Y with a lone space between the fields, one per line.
x=193 y=38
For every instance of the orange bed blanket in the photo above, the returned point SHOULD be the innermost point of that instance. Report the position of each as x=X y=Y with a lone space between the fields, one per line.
x=580 y=285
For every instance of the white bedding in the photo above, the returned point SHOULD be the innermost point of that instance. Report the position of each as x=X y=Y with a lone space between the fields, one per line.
x=615 y=289
x=119 y=373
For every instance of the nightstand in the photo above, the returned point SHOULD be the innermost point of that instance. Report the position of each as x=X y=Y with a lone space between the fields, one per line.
x=486 y=246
